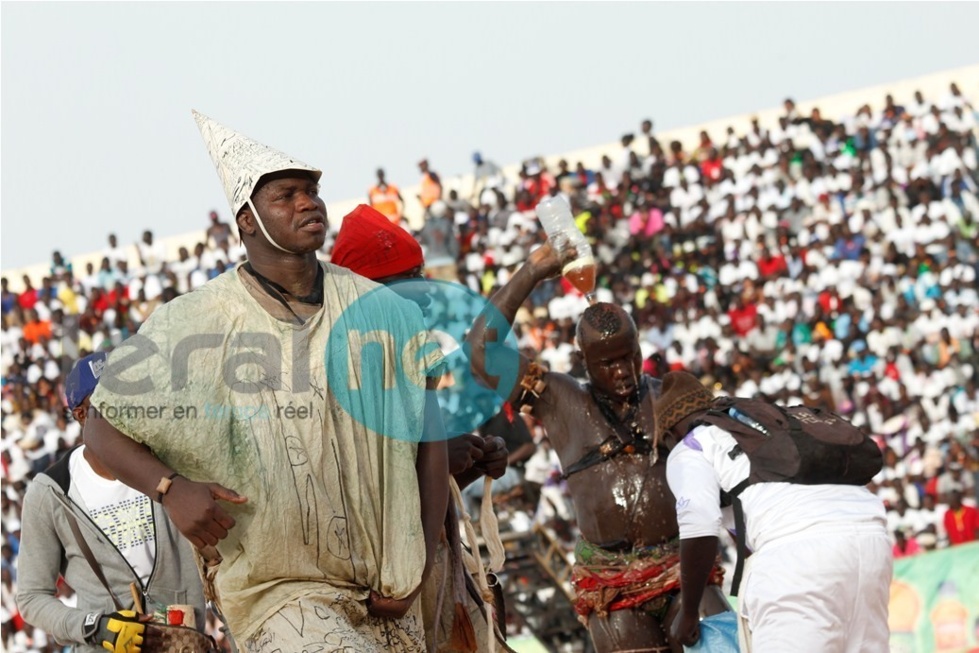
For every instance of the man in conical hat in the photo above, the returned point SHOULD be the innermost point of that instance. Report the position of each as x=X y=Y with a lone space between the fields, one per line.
x=225 y=409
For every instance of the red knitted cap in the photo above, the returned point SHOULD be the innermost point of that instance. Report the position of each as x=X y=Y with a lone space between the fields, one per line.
x=370 y=245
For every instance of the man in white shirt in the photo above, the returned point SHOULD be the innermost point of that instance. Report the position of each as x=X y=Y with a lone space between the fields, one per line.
x=919 y=107
x=138 y=549
x=114 y=253
x=819 y=574
x=152 y=255
x=901 y=236
x=181 y=269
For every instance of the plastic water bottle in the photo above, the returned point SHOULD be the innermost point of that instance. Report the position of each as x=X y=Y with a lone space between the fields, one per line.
x=747 y=421
x=555 y=216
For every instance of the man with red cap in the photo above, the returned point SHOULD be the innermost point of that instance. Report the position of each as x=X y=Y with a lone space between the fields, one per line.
x=372 y=246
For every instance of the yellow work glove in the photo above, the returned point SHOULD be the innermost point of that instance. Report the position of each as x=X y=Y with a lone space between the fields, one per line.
x=120 y=632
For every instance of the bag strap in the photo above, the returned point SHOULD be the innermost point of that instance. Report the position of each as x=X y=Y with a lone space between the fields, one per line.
x=87 y=552
x=740 y=534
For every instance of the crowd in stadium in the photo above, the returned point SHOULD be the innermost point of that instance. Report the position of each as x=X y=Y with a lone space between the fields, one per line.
x=822 y=260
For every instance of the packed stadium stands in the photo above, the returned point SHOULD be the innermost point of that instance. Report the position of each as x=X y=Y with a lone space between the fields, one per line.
x=811 y=258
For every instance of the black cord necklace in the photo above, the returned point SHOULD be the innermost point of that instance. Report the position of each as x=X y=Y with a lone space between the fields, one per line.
x=631 y=419
x=615 y=444
x=314 y=298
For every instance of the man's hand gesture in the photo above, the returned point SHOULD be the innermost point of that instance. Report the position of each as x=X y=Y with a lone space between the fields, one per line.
x=545 y=262
x=194 y=509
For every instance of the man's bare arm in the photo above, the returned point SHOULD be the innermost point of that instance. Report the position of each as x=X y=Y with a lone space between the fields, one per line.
x=432 y=465
x=433 y=489
x=697 y=556
x=488 y=336
x=432 y=468
x=193 y=507
x=523 y=452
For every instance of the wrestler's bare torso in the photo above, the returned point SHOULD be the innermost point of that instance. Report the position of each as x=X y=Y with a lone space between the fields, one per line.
x=621 y=502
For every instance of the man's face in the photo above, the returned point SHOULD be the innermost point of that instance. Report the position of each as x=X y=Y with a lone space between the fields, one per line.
x=614 y=363
x=955 y=500
x=293 y=212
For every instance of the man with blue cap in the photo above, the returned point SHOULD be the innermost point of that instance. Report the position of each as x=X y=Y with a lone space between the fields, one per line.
x=132 y=544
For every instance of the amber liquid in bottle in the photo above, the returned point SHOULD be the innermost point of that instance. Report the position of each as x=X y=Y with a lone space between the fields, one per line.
x=580 y=273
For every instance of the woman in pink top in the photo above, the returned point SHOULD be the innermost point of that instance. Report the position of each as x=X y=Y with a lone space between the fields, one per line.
x=903 y=546
x=647 y=220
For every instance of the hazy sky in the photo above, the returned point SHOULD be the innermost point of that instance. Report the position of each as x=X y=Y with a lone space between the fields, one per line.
x=97 y=134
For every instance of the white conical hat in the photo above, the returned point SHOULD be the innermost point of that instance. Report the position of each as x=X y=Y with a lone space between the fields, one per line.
x=241 y=162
